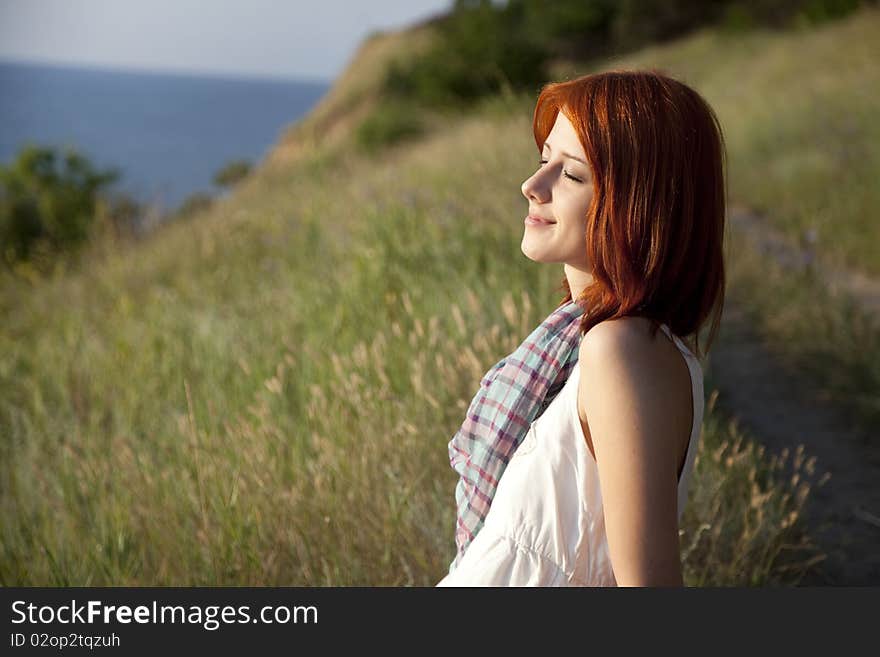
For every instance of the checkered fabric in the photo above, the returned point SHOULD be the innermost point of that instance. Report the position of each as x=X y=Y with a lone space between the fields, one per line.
x=512 y=394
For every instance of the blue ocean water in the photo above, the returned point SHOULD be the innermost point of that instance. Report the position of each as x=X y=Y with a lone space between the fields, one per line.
x=166 y=133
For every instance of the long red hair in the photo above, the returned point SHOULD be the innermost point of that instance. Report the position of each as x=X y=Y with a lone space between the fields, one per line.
x=655 y=226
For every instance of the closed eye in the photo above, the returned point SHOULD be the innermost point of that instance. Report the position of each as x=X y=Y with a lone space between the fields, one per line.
x=565 y=173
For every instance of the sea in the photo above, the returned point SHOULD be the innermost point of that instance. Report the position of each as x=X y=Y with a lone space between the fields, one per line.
x=166 y=133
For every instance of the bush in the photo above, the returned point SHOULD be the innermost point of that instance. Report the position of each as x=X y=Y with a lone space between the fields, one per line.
x=570 y=28
x=481 y=50
x=782 y=14
x=47 y=201
x=819 y=11
x=639 y=22
x=232 y=173
x=390 y=122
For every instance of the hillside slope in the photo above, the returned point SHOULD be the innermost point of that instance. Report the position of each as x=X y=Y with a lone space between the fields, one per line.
x=353 y=94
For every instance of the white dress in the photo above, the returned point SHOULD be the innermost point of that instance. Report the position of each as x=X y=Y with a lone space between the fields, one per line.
x=546 y=525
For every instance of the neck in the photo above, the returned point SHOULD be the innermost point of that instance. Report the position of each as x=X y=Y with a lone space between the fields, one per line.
x=578 y=279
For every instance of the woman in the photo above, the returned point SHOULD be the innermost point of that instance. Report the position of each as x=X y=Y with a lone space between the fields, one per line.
x=595 y=419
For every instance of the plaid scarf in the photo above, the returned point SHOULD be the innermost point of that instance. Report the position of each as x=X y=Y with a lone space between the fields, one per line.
x=513 y=393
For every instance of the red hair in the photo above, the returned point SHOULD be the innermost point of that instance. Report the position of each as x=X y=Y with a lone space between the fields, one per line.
x=655 y=226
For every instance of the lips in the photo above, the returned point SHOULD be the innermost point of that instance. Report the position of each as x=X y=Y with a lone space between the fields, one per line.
x=534 y=219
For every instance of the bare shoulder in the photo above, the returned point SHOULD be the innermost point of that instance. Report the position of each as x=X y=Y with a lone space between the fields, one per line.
x=627 y=343
x=620 y=358
x=622 y=334
x=644 y=377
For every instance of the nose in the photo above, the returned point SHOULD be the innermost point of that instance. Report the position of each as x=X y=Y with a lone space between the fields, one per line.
x=534 y=189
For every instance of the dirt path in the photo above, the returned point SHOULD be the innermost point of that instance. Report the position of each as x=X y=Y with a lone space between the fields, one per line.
x=782 y=410
x=772 y=243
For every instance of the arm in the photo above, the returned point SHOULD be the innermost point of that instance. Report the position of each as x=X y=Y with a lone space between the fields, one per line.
x=633 y=438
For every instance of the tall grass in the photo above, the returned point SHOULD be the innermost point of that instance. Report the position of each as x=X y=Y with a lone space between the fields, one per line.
x=280 y=436
x=744 y=523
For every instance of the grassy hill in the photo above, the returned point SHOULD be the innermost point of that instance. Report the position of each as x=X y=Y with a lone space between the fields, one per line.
x=263 y=394
x=352 y=97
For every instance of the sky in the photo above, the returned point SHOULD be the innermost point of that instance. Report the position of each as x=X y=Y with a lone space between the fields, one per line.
x=264 y=38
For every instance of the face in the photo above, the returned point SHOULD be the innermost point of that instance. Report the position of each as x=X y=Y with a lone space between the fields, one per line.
x=559 y=193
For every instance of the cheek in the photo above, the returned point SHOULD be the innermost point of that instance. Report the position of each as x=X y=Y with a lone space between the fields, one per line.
x=575 y=211
x=580 y=213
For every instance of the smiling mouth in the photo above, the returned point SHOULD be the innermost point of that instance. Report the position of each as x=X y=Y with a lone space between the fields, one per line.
x=535 y=221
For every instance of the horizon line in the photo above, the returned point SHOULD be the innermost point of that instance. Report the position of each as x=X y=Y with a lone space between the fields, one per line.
x=110 y=68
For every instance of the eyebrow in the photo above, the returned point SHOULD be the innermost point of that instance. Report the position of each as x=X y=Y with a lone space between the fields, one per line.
x=573 y=157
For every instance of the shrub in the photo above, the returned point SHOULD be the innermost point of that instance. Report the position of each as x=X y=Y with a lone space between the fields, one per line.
x=232 y=173
x=390 y=122
x=49 y=199
x=481 y=50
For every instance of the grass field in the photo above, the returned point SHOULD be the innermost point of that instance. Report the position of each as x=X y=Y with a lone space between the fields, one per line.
x=263 y=394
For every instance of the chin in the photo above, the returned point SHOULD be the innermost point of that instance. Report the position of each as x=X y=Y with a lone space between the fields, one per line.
x=536 y=255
